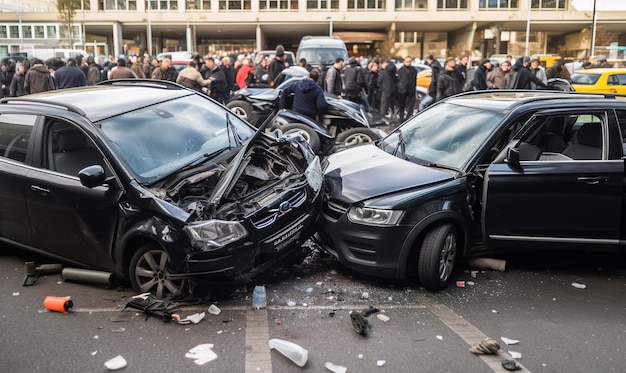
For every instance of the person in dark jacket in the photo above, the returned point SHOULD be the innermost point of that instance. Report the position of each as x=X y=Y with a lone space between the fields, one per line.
x=70 y=76
x=558 y=71
x=17 y=84
x=121 y=71
x=407 y=77
x=522 y=77
x=388 y=83
x=435 y=67
x=371 y=79
x=355 y=81
x=448 y=83
x=333 y=82
x=38 y=78
x=277 y=65
x=218 y=90
x=308 y=97
x=479 y=81
x=230 y=75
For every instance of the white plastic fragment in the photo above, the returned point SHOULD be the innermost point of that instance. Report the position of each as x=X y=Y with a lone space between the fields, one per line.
x=365 y=295
x=360 y=356
x=294 y=352
x=17 y=293
x=335 y=368
x=494 y=311
x=214 y=310
x=291 y=303
x=440 y=338
x=93 y=353
x=202 y=354
x=195 y=318
x=117 y=362
x=383 y=318
x=380 y=363
x=515 y=354
x=578 y=285
x=509 y=341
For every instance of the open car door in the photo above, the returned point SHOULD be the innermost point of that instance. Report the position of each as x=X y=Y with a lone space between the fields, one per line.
x=560 y=184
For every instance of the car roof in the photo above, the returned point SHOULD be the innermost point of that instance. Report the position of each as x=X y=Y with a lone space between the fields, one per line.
x=103 y=101
x=601 y=70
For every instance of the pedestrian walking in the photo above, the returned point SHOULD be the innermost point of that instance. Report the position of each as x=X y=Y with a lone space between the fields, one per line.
x=407 y=78
x=373 y=91
x=522 y=77
x=277 y=65
x=70 y=76
x=435 y=67
x=448 y=84
x=17 y=84
x=38 y=78
x=334 y=82
x=355 y=81
x=537 y=71
x=245 y=74
x=479 y=81
x=388 y=83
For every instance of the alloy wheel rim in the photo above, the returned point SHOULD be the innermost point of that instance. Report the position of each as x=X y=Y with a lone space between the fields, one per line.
x=153 y=276
x=447 y=256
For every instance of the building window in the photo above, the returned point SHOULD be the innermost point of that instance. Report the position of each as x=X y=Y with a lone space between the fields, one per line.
x=278 y=5
x=452 y=4
x=162 y=5
x=3 y=32
x=366 y=5
x=498 y=4
x=86 y=5
x=235 y=4
x=14 y=31
x=548 y=4
x=411 y=4
x=198 y=4
x=39 y=34
x=51 y=32
x=322 y=4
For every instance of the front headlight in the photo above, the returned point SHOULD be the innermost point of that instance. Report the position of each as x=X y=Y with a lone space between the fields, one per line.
x=314 y=174
x=213 y=234
x=366 y=215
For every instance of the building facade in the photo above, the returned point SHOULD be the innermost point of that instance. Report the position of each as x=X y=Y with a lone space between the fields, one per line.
x=385 y=28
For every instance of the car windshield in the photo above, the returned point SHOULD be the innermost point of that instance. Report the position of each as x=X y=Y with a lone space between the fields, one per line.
x=446 y=135
x=585 y=78
x=322 y=56
x=158 y=140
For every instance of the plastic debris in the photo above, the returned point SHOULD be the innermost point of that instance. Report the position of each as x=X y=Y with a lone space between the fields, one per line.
x=33 y=271
x=473 y=274
x=16 y=293
x=360 y=356
x=510 y=365
x=460 y=284
x=259 y=297
x=118 y=330
x=488 y=263
x=359 y=322
x=494 y=311
x=214 y=310
x=87 y=276
x=486 y=346
x=471 y=283
x=365 y=295
x=439 y=337
x=58 y=304
x=335 y=368
x=578 y=285
x=380 y=363
x=152 y=306
x=383 y=318
x=117 y=362
x=294 y=352
x=515 y=354
x=202 y=354
x=291 y=303
x=509 y=341
x=195 y=318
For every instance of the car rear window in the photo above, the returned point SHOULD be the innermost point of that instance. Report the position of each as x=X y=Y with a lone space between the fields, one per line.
x=588 y=79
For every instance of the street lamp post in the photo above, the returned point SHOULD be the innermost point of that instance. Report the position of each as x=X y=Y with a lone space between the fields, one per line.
x=593 y=29
x=330 y=26
x=527 y=29
x=149 y=30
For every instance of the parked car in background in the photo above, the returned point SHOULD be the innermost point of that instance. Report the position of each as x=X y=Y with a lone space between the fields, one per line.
x=163 y=186
x=290 y=57
x=609 y=80
x=479 y=173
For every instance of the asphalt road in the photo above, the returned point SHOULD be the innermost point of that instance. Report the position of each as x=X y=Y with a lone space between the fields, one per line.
x=560 y=328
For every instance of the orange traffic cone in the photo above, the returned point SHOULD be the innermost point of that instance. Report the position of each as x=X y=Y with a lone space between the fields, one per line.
x=58 y=304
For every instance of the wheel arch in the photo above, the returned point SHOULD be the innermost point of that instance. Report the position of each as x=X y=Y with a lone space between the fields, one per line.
x=411 y=248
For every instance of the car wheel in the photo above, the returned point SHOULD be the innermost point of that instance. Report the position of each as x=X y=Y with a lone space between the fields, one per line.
x=437 y=256
x=356 y=136
x=149 y=273
x=243 y=110
x=307 y=132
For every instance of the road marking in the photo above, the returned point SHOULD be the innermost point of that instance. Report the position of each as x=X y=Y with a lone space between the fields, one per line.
x=468 y=332
x=258 y=358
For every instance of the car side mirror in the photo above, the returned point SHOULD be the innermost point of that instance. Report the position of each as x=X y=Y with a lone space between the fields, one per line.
x=92 y=176
x=512 y=156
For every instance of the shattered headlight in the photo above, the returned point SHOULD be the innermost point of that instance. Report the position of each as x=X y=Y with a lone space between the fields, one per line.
x=213 y=234
x=314 y=174
x=366 y=215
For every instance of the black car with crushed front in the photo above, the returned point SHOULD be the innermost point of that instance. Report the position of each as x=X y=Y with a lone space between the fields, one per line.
x=478 y=173
x=153 y=182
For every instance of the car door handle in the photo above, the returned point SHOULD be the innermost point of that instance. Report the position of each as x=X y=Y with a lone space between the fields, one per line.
x=41 y=190
x=592 y=179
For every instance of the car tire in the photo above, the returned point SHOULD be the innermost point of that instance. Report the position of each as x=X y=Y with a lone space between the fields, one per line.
x=356 y=136
x=149 y=273
x=243 y=110
x=307 y=132
x=437 y=257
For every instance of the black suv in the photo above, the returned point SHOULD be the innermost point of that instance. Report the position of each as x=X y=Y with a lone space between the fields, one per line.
x=479 y=173
x=154 y=182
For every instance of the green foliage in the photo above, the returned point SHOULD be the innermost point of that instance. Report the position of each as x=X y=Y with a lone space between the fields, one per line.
x=67 y=11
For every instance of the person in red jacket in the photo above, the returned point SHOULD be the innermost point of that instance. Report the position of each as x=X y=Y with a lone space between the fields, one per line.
x=245 y=74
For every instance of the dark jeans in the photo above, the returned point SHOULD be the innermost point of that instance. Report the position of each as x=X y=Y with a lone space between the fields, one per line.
x=406 y=102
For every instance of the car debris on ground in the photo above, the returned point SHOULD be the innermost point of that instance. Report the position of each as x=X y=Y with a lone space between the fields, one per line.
x=294 y=352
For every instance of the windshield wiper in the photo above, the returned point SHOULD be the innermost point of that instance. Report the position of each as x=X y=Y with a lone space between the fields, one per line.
x=401 y=146
x=230 y=128
x=439 y=165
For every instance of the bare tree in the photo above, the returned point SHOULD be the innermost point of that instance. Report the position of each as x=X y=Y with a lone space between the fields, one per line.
x=67 y=12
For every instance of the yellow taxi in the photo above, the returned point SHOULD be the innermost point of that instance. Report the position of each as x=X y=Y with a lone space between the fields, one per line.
x=424 y=75
x=610 y=80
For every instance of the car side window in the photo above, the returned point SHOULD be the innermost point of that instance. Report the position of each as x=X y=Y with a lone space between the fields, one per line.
x=563 y=138
x=69 y=149
x=15 y=135
x=621 y=118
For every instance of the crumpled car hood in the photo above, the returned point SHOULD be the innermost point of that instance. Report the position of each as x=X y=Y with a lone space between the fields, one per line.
x=365 y=172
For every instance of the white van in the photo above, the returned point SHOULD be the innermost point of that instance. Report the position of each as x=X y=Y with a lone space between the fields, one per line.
x=321 y=51
x=46 y=53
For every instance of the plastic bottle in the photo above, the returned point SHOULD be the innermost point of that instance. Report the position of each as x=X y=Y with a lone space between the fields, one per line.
x=294 y=352
x=259 y=297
